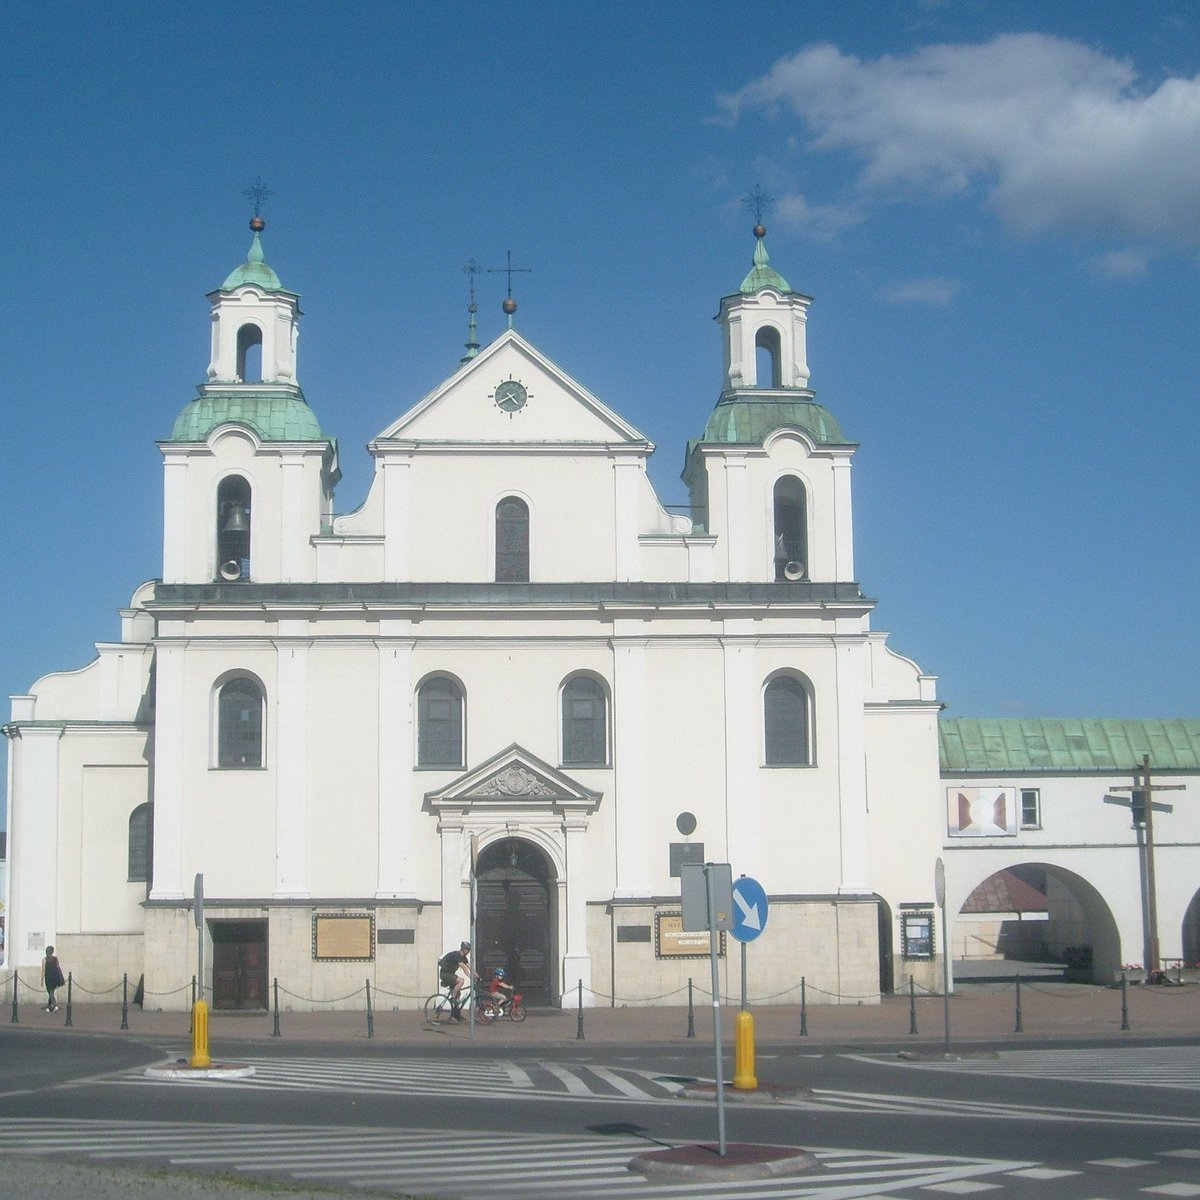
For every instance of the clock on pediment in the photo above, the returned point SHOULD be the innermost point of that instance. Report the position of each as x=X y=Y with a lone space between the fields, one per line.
x=510 y=396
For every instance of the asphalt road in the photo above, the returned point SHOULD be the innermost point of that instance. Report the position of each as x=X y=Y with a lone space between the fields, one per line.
x=1068 y=1122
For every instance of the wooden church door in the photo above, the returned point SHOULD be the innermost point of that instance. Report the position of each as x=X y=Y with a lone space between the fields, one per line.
x=513 y=921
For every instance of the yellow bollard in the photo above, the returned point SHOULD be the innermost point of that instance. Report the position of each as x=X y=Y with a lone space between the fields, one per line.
x=200 y=1056
x=743 y=1052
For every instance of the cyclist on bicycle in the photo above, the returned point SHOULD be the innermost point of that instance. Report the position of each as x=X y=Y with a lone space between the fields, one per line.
x=499 y=991
x=454 y=970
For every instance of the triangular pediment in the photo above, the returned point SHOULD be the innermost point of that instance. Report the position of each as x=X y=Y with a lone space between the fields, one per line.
x=514 y=778
x=549 y=408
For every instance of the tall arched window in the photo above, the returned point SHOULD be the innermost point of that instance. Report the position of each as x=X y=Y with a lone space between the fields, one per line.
x=141 y=842
x=791 y=529
x=584 y=723
x=768 y=371
x=512 y=541
x=233 y=529
x=439 y=723
x=240 y=724
x=787 y=723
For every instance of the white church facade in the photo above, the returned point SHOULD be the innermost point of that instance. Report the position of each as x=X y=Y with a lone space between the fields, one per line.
x=511 y=665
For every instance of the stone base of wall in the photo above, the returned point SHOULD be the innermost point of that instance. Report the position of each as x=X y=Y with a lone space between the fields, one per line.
x=831 y=944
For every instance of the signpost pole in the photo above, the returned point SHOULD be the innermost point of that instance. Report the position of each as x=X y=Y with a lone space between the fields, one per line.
x=471 y=925
x=201 y=1058
x=713 y=936
x=939 y=887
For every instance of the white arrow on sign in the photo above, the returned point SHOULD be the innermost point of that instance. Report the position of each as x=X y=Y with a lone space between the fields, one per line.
x=749 y=911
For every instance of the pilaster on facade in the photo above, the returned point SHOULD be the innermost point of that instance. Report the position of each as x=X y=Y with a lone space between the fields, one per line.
x=852 y=767
x=171 y=712
x=291 y=766
x=395 y=739
x=630 y=757
x=34 y=768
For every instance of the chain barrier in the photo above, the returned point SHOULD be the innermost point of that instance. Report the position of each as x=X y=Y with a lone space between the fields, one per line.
x=631 y=1001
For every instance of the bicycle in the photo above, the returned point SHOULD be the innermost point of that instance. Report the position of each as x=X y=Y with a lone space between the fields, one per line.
x=495 y=1006
x=439 y=1008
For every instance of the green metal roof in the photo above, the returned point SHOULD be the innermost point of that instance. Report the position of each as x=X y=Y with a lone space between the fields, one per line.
x=253 y=271
x=275 y=414
x=986 y=746
x=746 y=418
x=762 y=274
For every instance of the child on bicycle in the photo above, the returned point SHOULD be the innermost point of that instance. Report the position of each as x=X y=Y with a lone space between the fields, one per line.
x=499 y=991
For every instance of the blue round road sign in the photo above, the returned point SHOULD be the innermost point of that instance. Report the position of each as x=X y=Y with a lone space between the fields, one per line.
x=749 y=909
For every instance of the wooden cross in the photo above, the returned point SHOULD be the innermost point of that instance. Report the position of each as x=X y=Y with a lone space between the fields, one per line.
x=1141 y=804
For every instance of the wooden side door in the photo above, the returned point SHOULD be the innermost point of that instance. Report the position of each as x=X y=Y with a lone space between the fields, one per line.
x=239 y=964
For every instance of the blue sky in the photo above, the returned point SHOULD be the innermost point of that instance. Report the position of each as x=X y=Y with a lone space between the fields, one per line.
x=996 y=207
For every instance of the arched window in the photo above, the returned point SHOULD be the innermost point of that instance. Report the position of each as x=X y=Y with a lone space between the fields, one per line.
x=240 y=724
x=584 y=723
x=787 y=723
x=439 y=723
x=141 y=842
x=249 y=354
x=791 y=529
x=768 y=371
x=512 y=541
x=233 y=529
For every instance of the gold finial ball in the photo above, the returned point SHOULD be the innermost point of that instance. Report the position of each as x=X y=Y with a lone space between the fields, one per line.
x=509 y=306
x=760 y=231
x=257 y=224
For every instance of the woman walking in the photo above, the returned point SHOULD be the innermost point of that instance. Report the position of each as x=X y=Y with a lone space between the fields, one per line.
x=52 y=977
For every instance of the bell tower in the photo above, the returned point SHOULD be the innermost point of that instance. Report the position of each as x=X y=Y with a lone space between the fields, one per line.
x=248 y=473
x=255 y=323
x=763 y=325
x=770 y=477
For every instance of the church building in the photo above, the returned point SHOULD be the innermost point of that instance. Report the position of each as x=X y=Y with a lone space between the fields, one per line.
x=503 y=700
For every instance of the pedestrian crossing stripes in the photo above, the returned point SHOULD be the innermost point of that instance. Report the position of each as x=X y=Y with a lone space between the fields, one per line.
x=408 y=1076
x=893 y=1103
x=1143 y=1066
x=448 y=1163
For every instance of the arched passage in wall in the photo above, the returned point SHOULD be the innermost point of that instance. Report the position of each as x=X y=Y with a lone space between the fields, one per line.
x=1039 y=912
x=1190 y=941
x=515 y=920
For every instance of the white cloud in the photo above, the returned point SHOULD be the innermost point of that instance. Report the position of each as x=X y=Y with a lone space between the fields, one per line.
x=1122 y=264
x=822 y=222
x=1055 y=136
x=935 y=290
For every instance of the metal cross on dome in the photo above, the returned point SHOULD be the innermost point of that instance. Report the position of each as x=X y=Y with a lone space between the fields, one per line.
x=760 y=201
x=258 y=192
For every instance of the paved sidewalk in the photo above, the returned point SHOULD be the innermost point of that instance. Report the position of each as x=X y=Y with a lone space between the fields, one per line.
x=978 y=1013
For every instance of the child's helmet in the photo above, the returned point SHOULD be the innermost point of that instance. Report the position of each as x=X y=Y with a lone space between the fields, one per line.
x=499 y=972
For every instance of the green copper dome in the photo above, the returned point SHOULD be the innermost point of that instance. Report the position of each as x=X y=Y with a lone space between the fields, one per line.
x=275 y=414
x=253 y=271
x=762 y=274
x=746 y=419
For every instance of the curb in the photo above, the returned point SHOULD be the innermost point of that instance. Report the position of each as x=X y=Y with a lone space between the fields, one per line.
x=182 y=1071
x=742 y=1160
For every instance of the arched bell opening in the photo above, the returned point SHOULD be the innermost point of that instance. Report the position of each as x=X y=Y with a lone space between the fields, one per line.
x=249 y=354
x=791 y=529
x=233 y=530
x=768 y=358
x=515 y=918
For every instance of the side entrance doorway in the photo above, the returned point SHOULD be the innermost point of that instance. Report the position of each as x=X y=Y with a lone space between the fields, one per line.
x=239 y=971
x=515 y=920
